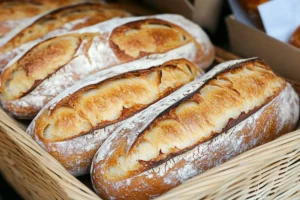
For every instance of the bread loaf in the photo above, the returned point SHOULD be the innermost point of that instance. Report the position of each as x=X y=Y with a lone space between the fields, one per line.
x=295 y=39
x=55 y=23
x=70 y=127
x=16 y=12
x=30 y=80
x=235 y=107
x=13 y=13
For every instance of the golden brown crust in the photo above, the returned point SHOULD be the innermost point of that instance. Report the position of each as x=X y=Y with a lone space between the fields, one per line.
x=232 y=90
x=295 y=39
x=92 y=13
x=37 y=93
x=142 y=187
x=37 y=64
x=140 y=38
x=20 y=9
x=225 y=101
x=97 y=106
x=14 y=11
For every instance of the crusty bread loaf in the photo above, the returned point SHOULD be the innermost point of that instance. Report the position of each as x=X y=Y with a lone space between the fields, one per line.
x=15 y=12
x=20 y=9
x=70 y=126
x=55 y=23
x=30 y=80
x=60 y=3
x=233 y=108
x=295 y=39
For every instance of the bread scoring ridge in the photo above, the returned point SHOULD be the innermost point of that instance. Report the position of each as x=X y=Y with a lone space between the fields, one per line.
x=21 y=8
x=28 y=105
x=108 y=26
x=55 y=23
x=14 y=13
x=160 y=81
x=23 y=16
x=20 y=26
x=36 y=65
x=157 y=109
x=131 y=40
x=93 y=104
x=274 y=116
x=227 y=88
x=87 y=13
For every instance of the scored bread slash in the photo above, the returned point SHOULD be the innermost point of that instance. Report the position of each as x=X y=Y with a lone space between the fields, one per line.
x=71 y=126
x=96 y=48
x=234 y=107
x=16 y=15
x=55 y=23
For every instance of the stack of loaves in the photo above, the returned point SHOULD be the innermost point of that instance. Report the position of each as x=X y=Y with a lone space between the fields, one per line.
x=126 y=99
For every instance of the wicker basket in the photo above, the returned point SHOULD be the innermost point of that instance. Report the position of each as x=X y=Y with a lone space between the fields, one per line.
x=270 y=171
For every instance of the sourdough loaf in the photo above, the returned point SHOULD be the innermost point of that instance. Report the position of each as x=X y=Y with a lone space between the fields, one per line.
x=235 y=107
x=13 y=13
x=31 y=79
x=16 y=12
x=55 y=23
x=71 y=126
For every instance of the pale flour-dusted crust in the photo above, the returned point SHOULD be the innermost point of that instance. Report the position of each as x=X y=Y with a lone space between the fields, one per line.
x=88 y=61
x=276 y=117
x=76 y=151
x=55 y=23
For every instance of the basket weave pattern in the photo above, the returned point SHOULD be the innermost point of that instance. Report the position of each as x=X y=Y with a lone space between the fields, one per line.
x=270 y=171
x=31 y=170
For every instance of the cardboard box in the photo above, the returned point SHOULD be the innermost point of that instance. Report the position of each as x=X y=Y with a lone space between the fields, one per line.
x=206 y=13
x=247 y=41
